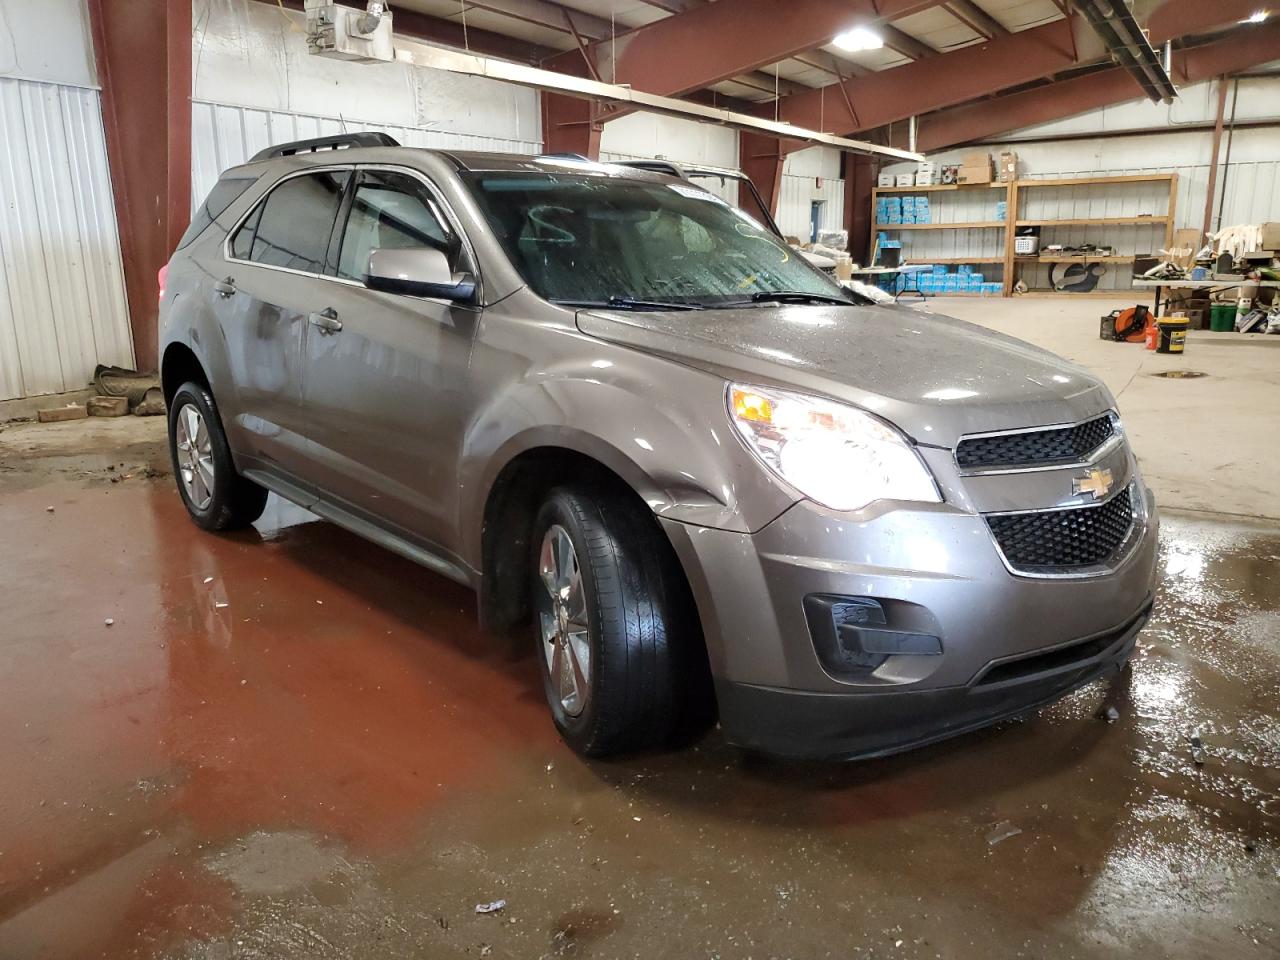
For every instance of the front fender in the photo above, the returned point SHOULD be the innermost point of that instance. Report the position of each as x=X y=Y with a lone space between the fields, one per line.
x=660 y=426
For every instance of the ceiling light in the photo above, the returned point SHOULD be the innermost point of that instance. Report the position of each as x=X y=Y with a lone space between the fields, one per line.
x=859 y=38
x=1256 y=17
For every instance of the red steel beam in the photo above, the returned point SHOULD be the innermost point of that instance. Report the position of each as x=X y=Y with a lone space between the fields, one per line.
x=142 y=50
x=982 y=120
x=715 y=42
x=940 y=81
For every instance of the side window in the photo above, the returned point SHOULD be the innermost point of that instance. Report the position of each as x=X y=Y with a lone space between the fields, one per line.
x=389 y=211
x=224 y=193
x=292 y=227
x=242 y=242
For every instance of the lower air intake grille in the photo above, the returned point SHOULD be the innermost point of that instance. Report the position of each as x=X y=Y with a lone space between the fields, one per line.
x=1057 y=539
x=1036 y=447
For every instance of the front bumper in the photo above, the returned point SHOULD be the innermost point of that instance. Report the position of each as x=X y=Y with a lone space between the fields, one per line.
x=938 y=570
x=859 y=726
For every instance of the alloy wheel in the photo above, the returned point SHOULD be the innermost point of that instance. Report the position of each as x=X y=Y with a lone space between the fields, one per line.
x=195 y=456
x=562 y=613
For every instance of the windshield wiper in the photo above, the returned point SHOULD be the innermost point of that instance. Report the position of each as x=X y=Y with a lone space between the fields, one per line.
x=796 y=296
x=630 y=303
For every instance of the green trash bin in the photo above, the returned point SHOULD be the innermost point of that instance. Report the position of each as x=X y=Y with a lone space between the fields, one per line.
x=1222 y=317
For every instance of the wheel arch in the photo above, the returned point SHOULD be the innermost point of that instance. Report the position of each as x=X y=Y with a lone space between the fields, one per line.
x=526 y=470
x=178 y=365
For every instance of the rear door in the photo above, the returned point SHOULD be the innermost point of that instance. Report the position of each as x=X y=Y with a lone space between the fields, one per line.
x=386 y=385
x=276 y=261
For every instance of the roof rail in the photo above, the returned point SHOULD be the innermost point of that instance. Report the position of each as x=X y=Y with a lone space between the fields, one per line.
x=367 y=139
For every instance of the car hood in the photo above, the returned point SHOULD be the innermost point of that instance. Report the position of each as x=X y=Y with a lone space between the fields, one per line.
x=935 y=377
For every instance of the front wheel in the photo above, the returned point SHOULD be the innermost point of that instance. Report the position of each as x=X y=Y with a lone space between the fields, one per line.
x=215 y=495
x=618 y=642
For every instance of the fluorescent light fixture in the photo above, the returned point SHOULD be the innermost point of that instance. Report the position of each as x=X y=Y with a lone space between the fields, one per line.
x=1257 y=16
x=859 y=38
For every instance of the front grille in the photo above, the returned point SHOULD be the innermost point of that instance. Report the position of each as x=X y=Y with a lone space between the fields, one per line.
x=1052 y=540
x=1036 y=447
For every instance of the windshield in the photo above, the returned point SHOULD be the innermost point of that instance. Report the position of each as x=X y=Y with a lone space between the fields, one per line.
x=593 y=239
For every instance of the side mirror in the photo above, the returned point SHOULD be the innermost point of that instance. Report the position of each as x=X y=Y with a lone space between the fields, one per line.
x=418 y=272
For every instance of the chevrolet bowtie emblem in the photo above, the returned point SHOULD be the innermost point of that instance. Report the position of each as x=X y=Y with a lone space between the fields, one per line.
x=1096 y=483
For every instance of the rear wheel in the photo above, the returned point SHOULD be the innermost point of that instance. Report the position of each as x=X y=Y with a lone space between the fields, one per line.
x=215 y=495
x=618 y=647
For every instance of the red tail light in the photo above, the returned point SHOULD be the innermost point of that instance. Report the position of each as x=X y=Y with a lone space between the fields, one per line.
x=161 y=277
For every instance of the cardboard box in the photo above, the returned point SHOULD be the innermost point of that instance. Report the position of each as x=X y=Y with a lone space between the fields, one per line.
x=885 y=180
x=975 y=159
x=1008 y=167
x=1271 y=236
x=975 y=173
x=905 y=180
x=923 y=180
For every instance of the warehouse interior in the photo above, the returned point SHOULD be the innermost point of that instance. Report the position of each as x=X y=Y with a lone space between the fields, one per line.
x=288 y=741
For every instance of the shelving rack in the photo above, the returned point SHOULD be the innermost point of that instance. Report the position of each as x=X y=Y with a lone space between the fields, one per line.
x=1015 y=192
x=1020 y=189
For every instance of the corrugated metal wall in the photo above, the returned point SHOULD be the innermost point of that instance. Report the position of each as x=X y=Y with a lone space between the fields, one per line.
x=223 y=136
x=62 y=300
x=794 y=205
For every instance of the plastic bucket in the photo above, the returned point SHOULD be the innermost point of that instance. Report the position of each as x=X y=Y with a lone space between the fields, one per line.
x=1173 y=335
x=1222 y=317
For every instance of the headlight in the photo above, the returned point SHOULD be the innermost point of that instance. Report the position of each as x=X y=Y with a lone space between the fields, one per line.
x=832 y=453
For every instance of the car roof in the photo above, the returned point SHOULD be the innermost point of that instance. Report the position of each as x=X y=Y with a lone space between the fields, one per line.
x=472 y=161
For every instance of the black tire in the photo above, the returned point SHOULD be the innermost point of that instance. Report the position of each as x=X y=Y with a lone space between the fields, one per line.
x=235 y=501
x=650 y=685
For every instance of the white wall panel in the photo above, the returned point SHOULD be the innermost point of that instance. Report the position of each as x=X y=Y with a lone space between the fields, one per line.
x=62 y=301
x=223 y=136
x=46 y=40
x=798 y=194
x=254 y=55
x=648 y=136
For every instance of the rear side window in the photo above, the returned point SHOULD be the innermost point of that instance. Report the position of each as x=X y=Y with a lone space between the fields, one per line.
x=291 y=228
x=389 y=211
x=224 y=193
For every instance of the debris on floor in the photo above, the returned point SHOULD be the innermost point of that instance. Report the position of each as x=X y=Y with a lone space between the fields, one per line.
x=107 y=406
x=140 y=391
x=492 y=907
x=1197 y=750
x=1001 y=832
x=71 y=411
x=1110 y=714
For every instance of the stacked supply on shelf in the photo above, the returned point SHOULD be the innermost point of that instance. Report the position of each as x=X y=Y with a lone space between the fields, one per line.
x=937 y=280
x=888 y=209
x=1002 y=210
x=897 y=210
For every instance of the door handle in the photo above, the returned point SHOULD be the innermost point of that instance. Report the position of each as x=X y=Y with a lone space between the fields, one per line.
x=225 y=288
x=326 y=321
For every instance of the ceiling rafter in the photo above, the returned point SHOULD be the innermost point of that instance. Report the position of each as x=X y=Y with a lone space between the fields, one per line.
x=711 y=42
x=976 y=19
x=1224 y=54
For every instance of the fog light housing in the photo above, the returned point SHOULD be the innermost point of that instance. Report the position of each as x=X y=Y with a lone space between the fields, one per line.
x=854 y=636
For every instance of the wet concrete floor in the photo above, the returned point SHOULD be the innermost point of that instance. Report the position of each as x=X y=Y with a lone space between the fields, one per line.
x=291 y=744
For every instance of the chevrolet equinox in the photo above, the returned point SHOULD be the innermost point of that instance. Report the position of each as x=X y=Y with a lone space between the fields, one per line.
x=712 y=480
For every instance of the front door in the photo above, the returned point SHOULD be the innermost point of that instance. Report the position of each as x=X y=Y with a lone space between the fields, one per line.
x=386 y=382
x=275 y=264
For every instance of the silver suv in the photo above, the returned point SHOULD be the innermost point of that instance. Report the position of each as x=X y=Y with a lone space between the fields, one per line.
x=622 y=410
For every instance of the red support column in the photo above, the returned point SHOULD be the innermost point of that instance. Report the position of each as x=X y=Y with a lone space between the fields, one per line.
x=142 y=49
x=570 y=125
x=860 y=174
x=761 y=157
